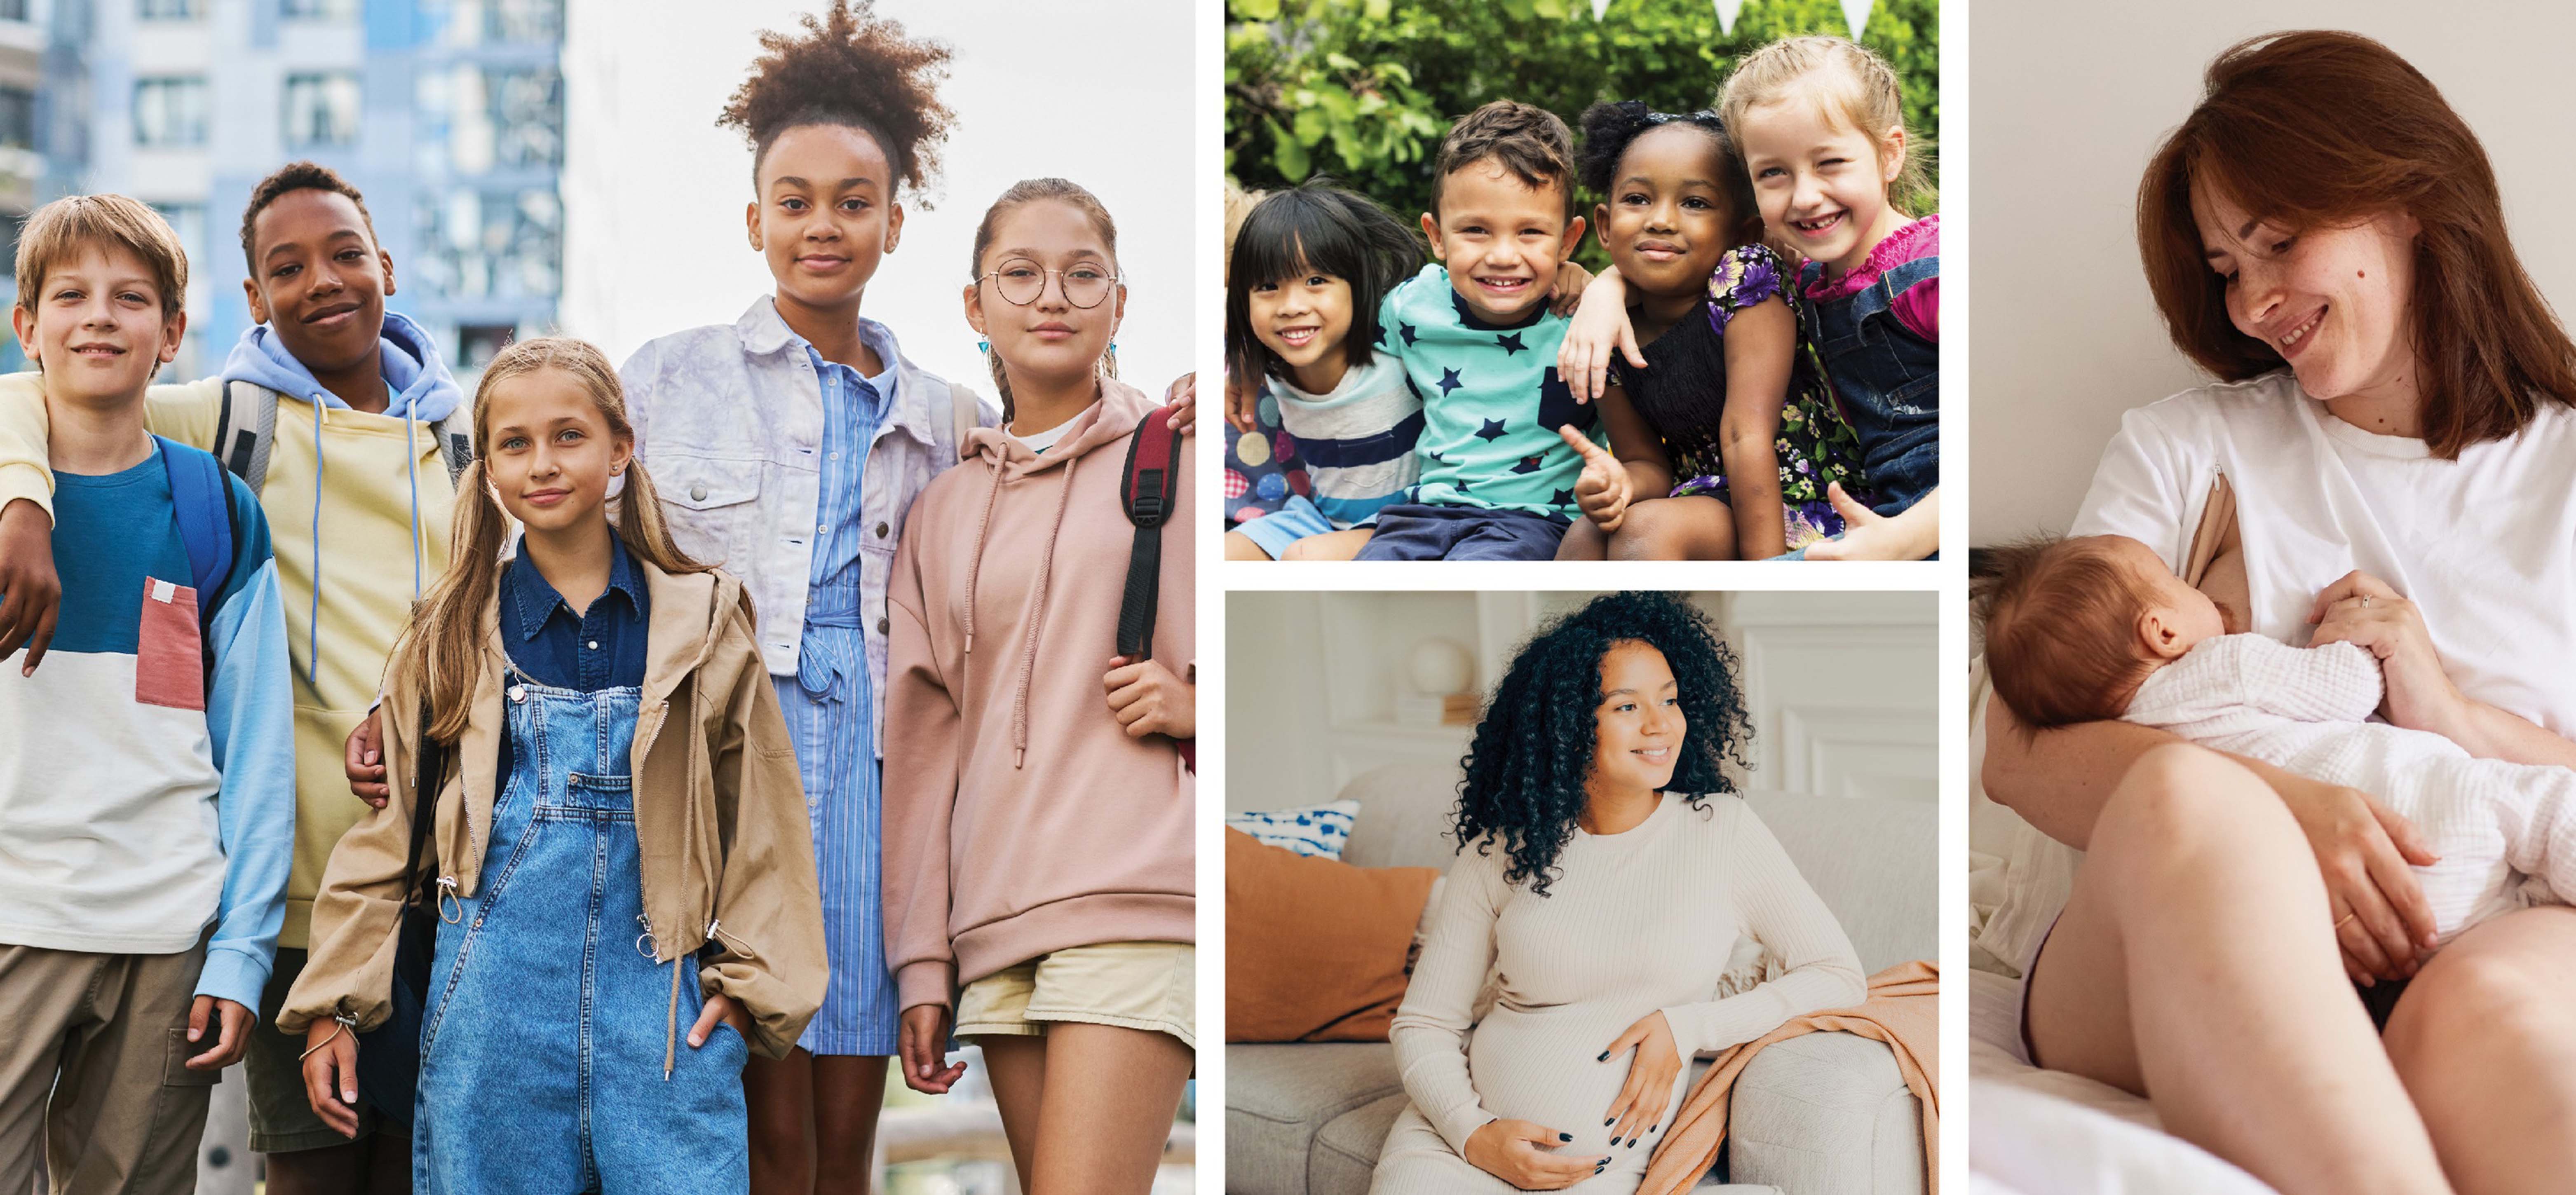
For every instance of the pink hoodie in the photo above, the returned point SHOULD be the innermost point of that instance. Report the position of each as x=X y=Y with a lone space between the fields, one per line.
x=1019 y=817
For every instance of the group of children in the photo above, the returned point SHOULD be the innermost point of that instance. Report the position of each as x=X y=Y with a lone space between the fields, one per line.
x=1756 y=376
x=638 y=875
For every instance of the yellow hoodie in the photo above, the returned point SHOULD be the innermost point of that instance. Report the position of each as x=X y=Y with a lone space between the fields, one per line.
x=365 y=550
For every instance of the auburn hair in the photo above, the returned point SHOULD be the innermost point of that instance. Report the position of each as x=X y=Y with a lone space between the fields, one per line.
x=441 y=655
x=2320 y=129
x=2061 y=625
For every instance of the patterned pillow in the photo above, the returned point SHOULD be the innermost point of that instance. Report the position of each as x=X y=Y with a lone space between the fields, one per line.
x=1320 y=831
x=1261 y=469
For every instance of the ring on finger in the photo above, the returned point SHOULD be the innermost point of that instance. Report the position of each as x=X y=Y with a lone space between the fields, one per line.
x=2365 y=601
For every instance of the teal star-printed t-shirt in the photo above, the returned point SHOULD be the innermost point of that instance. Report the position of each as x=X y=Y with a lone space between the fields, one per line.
x=1491 y=401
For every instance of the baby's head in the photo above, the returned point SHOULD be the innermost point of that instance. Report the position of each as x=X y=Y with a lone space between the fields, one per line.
x=2074 y=626
x=1502 y=208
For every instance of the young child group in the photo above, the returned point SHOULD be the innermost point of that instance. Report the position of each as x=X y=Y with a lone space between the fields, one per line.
x=664 y=861
x=1761 y=361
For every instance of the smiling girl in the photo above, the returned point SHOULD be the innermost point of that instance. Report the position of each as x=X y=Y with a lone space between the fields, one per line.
x=1726 y=428
x=1040 y=893
x=794 y=441
x=612 y=761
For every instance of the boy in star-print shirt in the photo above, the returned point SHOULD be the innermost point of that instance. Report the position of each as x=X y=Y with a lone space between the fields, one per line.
x=1478 y=343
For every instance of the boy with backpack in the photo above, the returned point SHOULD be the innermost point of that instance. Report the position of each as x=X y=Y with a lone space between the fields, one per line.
x=342 y=420
x=147 y=802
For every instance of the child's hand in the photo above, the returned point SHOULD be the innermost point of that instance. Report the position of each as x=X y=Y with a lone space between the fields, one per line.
x=1600 y=328
x=1148 y=699
x=1867 y=535
x=1567 y=294
x=1242 y=404
x=34 y=594
x=331 y=1074
x=719 y=1007
x=1184 y=392
x=923 y=1047
x=364 y=761
x=1603 y=491
x=231 y=1023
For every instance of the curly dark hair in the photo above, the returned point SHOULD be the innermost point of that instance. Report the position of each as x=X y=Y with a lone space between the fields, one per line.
x=850 y=69
x=291 y=177
x=1610 y=128
x=1533 y=752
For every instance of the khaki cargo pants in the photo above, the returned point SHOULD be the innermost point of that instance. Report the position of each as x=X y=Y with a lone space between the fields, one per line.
x=92 y=1062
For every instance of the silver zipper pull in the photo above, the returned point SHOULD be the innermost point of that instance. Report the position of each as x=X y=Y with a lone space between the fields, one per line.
x=644 y=943
x=448 y=898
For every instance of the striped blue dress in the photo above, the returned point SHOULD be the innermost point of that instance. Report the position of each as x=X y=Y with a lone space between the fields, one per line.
x=831 y=715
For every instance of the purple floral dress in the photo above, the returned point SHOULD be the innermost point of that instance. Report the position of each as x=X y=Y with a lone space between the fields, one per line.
x=1682 y=394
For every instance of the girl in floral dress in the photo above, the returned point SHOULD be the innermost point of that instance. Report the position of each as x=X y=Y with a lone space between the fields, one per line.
x=1726 y=429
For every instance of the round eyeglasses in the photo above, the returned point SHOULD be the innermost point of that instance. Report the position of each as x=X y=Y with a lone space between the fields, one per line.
x=1021 y=281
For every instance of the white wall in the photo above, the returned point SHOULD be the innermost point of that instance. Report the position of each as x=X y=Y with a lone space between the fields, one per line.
x=1842 y=687
x=1090 y=90
x=2070 y=101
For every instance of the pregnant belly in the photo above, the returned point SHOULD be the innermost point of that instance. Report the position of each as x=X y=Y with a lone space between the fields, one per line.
x=1546 y=1067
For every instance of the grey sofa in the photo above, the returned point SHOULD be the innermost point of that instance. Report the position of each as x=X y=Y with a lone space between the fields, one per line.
x=1824 y=1114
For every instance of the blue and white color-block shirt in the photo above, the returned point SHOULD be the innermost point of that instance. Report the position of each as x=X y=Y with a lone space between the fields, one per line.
x=146 y=793
x=1357 y=442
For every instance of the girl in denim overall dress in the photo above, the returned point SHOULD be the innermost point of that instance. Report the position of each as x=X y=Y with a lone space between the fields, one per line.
x=1823 y=129
x=625 y=882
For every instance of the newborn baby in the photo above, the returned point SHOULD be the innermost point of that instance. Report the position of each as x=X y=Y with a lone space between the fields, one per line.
x=2091 y=629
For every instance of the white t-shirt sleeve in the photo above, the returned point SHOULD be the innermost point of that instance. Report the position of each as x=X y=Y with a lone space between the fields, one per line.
x=2147 y=487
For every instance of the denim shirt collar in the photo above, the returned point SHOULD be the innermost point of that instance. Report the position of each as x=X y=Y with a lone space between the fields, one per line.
x=537 y=599
x=764 y=332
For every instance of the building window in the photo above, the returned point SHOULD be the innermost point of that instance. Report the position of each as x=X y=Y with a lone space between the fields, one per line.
x=321 y=109
x=494 y=244
x=170 y=112
x=13 y=10
x=17 y=118
x=188 y=222
x=477 y=344
x=497 y=119
x=319 y=10
x=162 y=10
x=484 y=22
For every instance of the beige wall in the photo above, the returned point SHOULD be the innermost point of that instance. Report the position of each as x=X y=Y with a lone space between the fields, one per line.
x=2069 y=102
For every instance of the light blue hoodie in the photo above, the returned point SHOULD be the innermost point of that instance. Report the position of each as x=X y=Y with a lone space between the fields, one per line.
x=422 y=388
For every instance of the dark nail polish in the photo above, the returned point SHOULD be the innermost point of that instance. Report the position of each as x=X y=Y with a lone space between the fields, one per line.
x=1614 y=1141
x=1565 y=1136
x=1632 y=1143
x=1607 y=1123
x=1605 y=1056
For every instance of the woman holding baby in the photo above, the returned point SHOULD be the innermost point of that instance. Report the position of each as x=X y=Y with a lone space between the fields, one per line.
x=2389 y=459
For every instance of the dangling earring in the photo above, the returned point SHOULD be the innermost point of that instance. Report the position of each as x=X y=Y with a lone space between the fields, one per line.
x=983 y=346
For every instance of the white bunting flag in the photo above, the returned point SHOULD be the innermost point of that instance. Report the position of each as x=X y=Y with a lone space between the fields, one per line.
x=1726 y=13
x=1856 y=12
x=1599 y=7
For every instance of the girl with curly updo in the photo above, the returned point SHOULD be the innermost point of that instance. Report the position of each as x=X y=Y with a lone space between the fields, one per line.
x=1725 y=440
x=790 y=445
x=1605 y=871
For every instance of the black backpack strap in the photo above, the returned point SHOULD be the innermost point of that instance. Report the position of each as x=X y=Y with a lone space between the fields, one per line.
x=1148 y=491
x=427 y=762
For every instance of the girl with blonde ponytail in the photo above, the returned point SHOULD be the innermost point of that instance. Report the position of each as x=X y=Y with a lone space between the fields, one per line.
x=526 y=679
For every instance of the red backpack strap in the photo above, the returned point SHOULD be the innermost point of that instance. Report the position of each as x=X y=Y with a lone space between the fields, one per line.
x=1149 y=491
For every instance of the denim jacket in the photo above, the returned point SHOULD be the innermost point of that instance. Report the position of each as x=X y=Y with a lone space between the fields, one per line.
x=729 y=417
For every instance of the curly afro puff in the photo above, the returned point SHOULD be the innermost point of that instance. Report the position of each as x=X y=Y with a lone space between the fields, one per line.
x=851 y=69
x=1532 y=754
x=1610 y=128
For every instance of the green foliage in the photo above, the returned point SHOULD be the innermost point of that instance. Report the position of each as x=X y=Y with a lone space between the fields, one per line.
x=1364 y=89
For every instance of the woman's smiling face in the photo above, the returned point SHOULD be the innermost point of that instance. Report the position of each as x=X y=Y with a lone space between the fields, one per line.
x=1639 y=725
x=2332 y=301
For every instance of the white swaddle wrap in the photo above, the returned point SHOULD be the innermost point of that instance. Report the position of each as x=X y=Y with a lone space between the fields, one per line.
x=2306 y=710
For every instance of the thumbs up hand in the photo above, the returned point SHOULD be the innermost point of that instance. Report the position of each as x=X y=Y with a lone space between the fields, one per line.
x=1603 y=492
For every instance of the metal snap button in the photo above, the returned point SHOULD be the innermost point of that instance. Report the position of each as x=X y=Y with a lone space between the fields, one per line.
x=698 y=492
x=881 y=530
x=881 y=626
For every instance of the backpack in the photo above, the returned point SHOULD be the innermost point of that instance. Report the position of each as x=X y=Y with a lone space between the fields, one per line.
x=1148 y=491
x=246 y=429
x=204 y=512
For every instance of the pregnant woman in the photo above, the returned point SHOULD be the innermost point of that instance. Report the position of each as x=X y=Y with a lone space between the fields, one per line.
x=1605 y=874
x=2392 y=423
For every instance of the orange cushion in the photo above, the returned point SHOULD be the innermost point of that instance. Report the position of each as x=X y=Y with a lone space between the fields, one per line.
x=1314 y=948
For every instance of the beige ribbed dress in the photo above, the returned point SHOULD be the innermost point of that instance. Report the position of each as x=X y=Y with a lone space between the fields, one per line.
x=1635 y=922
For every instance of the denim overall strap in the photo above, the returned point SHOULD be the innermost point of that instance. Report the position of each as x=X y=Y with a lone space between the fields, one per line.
x=546 y=1059
x=1887 y=381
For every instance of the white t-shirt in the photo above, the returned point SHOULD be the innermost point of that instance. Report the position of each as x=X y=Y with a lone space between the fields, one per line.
x=2485 y=546
x=1041 y=441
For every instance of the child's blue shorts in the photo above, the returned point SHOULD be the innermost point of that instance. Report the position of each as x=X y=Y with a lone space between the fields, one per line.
x=1295 y=519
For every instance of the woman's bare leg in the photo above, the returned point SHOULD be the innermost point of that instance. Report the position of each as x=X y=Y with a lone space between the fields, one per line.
x=778 y=1101
x=1099 y=1127
x=2485 y=1038
x=1695 y=527
x=2196 y=964
x=849 y=1091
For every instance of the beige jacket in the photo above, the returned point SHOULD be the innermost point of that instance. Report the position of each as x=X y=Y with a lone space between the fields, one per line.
x=719 y=817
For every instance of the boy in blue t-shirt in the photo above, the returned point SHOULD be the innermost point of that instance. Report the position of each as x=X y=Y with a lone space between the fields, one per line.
x=147 y=775
x=1478 y=343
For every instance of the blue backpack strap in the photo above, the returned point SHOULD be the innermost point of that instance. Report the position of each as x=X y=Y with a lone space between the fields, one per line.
x=202 y=506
